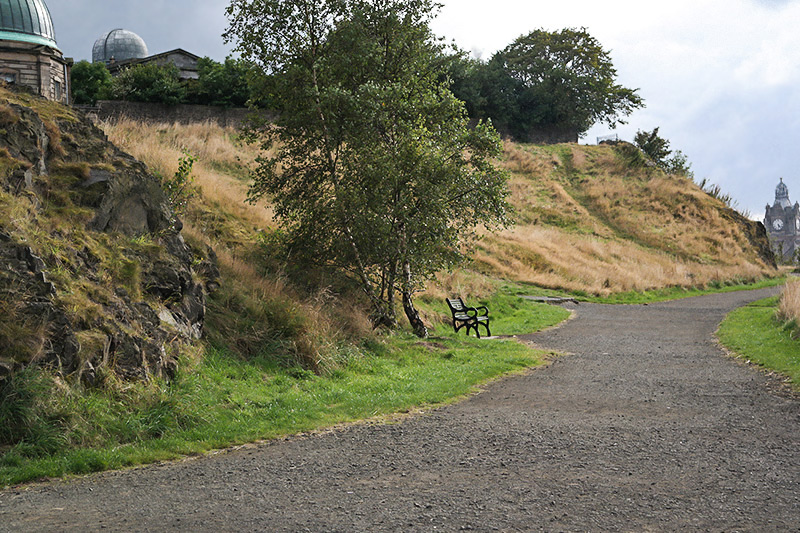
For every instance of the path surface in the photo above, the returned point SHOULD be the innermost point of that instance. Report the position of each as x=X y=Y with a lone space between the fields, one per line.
x=648 y=427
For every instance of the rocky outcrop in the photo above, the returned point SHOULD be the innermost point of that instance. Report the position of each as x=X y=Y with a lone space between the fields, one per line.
x=96 y=278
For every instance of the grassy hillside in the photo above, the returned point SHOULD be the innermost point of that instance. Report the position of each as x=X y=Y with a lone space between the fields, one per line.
x=598 y=219
x=589 y=219
x=767 y=333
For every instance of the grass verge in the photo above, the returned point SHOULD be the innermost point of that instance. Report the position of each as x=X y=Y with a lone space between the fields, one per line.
x=756 y=334
x=649 y=296
x=222 y=400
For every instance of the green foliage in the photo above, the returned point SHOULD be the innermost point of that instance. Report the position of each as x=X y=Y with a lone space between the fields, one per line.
x=653 y=145
x=90 y=82
x=755 y=334
x=221 y=84
x=376 y=171
x=180 y=187
x=545 y=82
x=657 y=149
x=149 y=82
x=21 y=421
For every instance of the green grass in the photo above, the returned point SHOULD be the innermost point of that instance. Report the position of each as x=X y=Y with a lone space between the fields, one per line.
x=677 y=293
x=642 y=297
x=755 y=334
x=510 y=314
x=223 y=400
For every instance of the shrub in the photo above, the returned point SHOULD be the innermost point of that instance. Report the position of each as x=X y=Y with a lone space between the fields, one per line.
x=90 y=82
x=149 y=83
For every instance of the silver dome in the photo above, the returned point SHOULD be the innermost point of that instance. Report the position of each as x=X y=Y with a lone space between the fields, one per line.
x=119 y=45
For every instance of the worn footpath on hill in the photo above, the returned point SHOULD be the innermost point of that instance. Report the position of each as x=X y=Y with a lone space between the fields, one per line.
x=648 y=426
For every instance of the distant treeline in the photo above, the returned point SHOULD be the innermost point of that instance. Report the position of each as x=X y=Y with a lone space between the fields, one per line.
x=232 y=83
x=552 y=83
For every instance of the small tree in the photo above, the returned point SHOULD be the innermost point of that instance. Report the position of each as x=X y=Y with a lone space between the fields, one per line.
x=657 y=149
x=376 y=171
x=149 y=82
x=90 y=82
x=180 y=187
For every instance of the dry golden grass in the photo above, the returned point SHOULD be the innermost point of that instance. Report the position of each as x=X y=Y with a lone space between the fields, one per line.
x=587 y=222
x=790 y=302
x=222 y=162
x=254 y=310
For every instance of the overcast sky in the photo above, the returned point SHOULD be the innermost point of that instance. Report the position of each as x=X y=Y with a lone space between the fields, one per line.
x=721 y=78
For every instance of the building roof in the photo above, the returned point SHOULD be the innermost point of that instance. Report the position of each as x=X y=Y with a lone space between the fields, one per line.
x=27 y=21
x=117 y=66
x=119 y=45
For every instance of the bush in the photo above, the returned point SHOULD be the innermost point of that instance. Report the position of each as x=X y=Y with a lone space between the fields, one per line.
x=23 y=422
x=90 y=82
x=220 y=84
x=149 y=83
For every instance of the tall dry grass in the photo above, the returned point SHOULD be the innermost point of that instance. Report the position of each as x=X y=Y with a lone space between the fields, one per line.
x=585 y=221
x=222 y=162
x=789 y=308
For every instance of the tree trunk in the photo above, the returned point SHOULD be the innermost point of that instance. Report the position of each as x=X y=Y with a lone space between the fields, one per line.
x=420 y=330
x=408 y=305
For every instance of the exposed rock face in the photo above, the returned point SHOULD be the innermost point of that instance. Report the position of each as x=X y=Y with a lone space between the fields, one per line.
x=114 y=305
x=756 y=234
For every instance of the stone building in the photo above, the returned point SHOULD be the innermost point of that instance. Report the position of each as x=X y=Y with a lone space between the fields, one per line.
x=29 y=55
x=120 y=49
x=783 y=224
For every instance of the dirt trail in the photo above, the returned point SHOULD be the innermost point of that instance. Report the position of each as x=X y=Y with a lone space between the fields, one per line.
x=647 y=427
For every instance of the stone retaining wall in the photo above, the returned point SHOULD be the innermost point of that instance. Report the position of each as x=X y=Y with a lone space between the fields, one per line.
x=182 y=113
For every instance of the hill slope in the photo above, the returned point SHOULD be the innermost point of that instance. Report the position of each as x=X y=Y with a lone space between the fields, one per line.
x=598 y=219
x=96 y=275
x=595 y=219
x=101 y=298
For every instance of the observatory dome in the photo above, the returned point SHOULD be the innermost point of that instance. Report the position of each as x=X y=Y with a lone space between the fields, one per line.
x=26 y=21
x=119 y=45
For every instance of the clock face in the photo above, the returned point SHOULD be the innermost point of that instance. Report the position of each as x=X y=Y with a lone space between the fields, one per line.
x=777 y=224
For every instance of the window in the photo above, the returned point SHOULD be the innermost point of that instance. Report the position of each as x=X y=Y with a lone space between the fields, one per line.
x=8 y=77
x=57 y=91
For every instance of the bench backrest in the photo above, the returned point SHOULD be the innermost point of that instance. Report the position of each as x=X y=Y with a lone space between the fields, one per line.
x=456 y=305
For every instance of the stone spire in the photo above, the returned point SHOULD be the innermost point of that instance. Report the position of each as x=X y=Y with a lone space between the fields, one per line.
x=782 y=195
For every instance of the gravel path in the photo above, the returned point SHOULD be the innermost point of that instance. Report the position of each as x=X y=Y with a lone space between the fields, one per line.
x=647 y=427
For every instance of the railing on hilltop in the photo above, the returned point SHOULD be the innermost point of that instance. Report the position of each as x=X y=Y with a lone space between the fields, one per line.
x=608 y=139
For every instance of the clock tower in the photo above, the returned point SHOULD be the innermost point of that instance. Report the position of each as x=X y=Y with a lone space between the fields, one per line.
x=783 y=224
